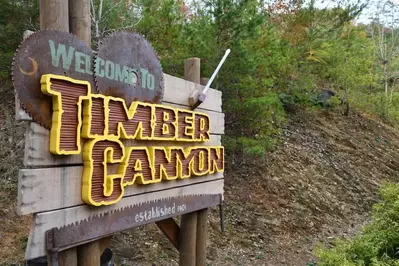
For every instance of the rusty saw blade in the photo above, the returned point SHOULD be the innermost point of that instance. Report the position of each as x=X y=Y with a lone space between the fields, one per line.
x=58 y=239
x=48 y=52
x=127 y=66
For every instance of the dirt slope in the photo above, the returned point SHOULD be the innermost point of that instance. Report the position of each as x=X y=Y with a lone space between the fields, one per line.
x=318 y=184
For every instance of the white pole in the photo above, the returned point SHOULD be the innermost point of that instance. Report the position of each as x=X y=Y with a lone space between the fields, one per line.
x=226 y=54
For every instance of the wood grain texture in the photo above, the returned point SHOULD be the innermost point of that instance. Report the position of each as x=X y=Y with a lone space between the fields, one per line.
x=48 y=189
x=68 y=257
x=171 y=230
x=89 y=254
x=188 y=224
x=202 y=233
x=192 y=70
x=188 y=229
x=54 y=15
x=58 y=218
x=37 y=144
x=79 y=20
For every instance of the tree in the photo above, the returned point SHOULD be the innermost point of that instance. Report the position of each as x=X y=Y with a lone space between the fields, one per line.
x=385 y=35
x=109 y=15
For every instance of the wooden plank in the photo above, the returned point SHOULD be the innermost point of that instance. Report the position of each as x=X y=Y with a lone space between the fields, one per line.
x=47 y=220
x=177 y=91
x=171 y=230
x=37 y=144
x=48 y=189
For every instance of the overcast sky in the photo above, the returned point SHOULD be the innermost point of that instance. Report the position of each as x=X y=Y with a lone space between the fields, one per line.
x=364 y=17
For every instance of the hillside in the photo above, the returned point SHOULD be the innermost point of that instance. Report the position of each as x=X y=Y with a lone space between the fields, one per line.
x=318 y=184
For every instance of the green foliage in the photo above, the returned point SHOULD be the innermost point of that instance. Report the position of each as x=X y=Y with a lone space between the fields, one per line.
x=379 y=242
x=282 y=54
x=16 y=17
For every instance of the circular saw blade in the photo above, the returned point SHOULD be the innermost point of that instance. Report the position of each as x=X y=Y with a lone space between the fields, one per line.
x=48 y=52
x=126 y=66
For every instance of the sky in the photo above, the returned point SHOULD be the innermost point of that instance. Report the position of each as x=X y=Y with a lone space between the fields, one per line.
x=364 y=17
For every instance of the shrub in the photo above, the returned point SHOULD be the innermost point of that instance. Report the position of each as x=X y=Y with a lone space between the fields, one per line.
x=258 y=120
x=378 y=244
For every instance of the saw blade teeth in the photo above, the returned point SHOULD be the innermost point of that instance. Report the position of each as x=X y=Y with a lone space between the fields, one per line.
x=154 y=97
x=118 y=212
x=28 y=89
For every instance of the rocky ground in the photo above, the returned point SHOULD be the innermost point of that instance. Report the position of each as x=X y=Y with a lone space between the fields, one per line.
x=317 y=185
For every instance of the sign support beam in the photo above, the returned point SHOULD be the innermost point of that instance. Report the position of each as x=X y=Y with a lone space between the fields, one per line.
x=54 y=15
x=194 y=228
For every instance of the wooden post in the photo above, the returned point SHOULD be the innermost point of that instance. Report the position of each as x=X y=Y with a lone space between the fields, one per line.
x=193 y=227
x=171 y=230
x=79 y=19
x=202 y=232
x=68 y=257
x=204 y=81
x=188 y=230
x=54 y=15
x=89 y=254
x=192 y=70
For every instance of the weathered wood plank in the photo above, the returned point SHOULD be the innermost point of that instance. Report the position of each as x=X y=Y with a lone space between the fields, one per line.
x=48 y=189
x=37 y=144
x=177 y=91
x=47 y=220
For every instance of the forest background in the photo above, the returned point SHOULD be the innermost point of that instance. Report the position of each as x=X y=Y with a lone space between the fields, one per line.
x=283 y=53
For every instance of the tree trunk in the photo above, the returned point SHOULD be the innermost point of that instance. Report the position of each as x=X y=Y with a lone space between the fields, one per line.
x=386 y=88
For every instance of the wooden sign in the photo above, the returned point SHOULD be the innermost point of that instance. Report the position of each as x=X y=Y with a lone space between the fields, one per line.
x=106 y=160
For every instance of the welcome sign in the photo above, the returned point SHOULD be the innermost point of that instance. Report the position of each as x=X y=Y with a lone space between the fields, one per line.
x=105 y=120
x=112 y=142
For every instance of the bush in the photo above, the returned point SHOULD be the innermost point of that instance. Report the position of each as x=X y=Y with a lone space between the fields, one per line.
x=374 y=103
x=258 y=121
x=378 y=244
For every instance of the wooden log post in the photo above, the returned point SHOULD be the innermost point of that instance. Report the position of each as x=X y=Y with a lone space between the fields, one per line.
x=79 y=22
x=204 y=81
x=188 y=235
x=193 y=227
x=202 y=232
x=89 y=254
x=192 y=70
x=202 y=222
x=54 y=15
x=79 y=19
